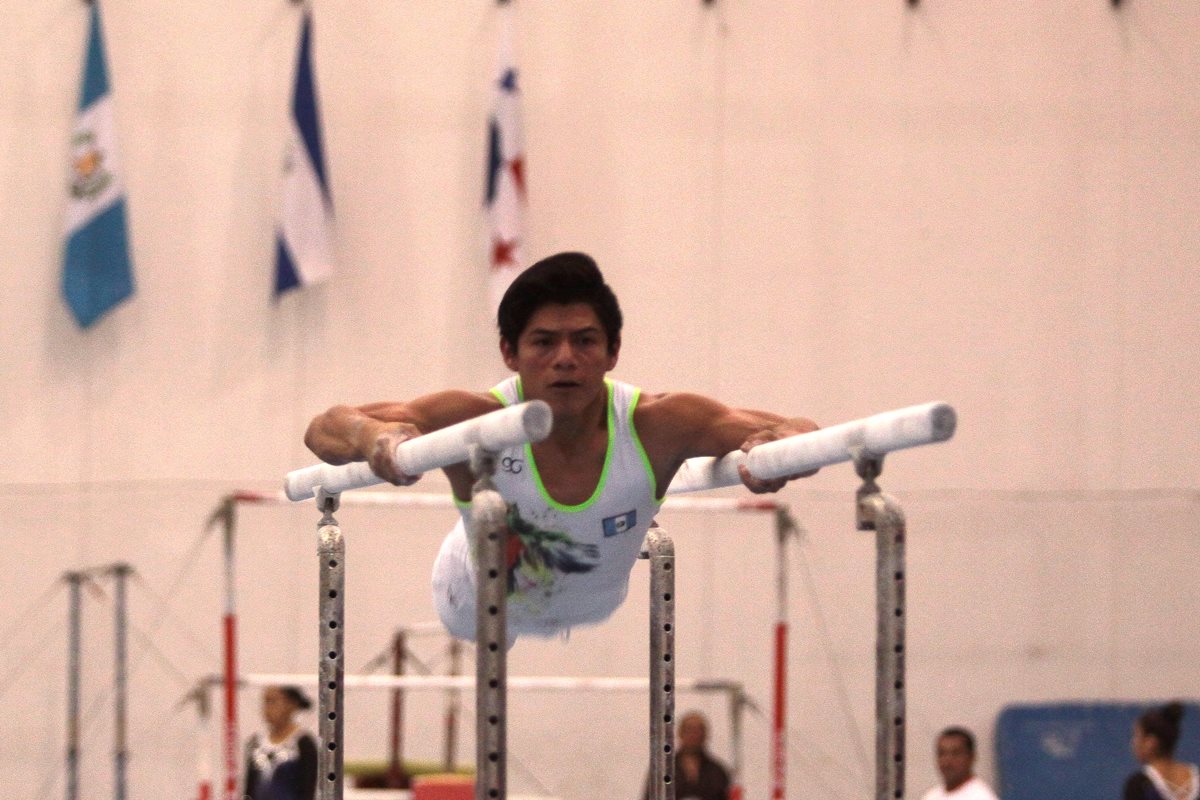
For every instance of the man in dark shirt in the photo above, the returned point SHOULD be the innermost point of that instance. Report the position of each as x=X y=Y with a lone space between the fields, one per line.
x=698 y=776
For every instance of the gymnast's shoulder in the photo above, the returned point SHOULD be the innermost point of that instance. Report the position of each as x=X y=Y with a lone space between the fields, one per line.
x=679 y=414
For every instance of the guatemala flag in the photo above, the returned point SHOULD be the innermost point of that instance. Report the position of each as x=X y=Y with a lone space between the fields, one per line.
x=304 y=235
x=506 y=167
x=97 y=273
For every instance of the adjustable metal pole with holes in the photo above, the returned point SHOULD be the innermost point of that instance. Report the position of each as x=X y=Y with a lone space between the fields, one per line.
x=331 y=552
x=878 y=512
x=660 y=550
x=120 y=750
x=74 y=618
x=489 y=528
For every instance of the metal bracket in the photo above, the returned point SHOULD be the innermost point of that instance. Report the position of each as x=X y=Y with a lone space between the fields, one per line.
x=328 y=502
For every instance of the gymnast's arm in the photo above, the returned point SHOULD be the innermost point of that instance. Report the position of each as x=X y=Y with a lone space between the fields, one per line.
x=674 y=427
x=371 y=432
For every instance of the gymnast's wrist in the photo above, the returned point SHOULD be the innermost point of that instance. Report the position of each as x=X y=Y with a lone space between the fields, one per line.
x=366 y=433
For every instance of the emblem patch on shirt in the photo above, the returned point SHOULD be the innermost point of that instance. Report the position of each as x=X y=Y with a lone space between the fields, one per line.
x=620 y=523
x=536 y=557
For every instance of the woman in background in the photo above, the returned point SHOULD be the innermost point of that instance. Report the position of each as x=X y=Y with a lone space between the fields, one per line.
x=282 y=763
x=1161 y=777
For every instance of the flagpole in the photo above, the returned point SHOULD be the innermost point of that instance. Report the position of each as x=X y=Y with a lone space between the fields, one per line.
x=504 y=184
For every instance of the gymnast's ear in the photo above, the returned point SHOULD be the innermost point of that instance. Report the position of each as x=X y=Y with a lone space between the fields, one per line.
x=509 y=353
x=614 y=352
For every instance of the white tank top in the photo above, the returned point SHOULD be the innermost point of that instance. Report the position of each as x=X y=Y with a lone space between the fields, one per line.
x=570 y=565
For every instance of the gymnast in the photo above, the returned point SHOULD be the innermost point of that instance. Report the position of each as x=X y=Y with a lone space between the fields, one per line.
x=581 y=501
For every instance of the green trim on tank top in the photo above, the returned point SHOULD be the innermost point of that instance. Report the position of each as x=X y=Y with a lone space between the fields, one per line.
x=608 y=453
x=637 y=441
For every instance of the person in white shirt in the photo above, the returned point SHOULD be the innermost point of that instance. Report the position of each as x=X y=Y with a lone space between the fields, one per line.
x=955 y=751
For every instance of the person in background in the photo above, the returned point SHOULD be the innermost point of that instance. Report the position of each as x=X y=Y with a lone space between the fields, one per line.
x=1161 y=777
x=955 y=752
x=281 y=763
x=698 y=776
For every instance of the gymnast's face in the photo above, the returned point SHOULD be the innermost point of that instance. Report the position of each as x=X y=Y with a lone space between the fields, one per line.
x=562 y=356
x=693 y=733
x=277 y=708
x=1144 y=745
x=954 y=761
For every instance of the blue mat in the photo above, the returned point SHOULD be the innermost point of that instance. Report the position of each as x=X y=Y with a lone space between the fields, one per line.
x=1076 y=751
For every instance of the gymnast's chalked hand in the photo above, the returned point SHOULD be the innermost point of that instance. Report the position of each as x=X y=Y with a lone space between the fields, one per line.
x=382 y=458
x=782 y=431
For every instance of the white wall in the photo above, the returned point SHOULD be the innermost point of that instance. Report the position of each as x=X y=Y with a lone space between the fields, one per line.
x=829 y=210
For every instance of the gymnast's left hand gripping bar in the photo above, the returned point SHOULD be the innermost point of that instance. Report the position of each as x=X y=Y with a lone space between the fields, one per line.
x=508 y=427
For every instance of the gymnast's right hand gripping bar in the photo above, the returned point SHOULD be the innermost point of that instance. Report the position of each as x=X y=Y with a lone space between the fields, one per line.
x=508 y=427
x=871 y=436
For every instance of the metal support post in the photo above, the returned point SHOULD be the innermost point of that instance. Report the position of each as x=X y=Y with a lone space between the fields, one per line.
x=737 y=704
x=661 y=552
x=74 y=618
x=331 y=552
x=120 y=750
x=396 y=777
x=879 y=512
x=452 y=707
x=226 y=515
x=200 y=696
x=785 y=528
x=489 y=531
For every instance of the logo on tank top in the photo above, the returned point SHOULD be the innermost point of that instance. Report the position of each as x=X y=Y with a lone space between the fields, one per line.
x=512 y=465
x=620 y=523
x=537 y=557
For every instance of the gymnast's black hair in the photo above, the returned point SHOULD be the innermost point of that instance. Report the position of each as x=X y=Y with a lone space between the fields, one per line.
x=1162 y=722
x=962 y=733
x=562 y=278
x=297 y=696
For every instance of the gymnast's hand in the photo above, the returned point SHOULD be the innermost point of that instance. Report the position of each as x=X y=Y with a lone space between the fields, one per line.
x=792 y=427
x=382 y=455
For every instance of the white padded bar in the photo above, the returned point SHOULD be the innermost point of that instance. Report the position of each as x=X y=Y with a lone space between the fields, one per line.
x=871 y=436
x=525 y=682
x=507 y=427
x=384 y=498
x=702 y=474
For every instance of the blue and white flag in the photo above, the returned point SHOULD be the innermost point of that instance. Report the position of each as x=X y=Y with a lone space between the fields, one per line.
x=304 y=235
x=97 y=273
x=505 y=194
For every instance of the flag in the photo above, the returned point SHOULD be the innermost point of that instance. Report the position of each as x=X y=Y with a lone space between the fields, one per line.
x=97 y=273
x=304 y=234
x=505 y=194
